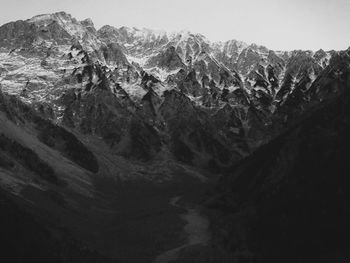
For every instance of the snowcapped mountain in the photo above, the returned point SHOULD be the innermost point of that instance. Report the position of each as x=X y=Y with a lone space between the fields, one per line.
x=106 y=81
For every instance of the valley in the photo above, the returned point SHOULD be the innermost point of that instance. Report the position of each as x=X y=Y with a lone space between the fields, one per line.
x=134 y=145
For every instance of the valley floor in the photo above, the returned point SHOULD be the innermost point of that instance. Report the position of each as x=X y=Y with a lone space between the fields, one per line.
x=196 y=228
x=148 y=222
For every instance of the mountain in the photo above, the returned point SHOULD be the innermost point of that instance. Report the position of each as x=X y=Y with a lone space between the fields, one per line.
x=287 y=201
x=47 y=58
x=100 y=128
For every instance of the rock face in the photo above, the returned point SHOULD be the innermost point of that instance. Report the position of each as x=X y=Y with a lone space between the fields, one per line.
x=286 y=202
x=168 y=60
x=59 y=28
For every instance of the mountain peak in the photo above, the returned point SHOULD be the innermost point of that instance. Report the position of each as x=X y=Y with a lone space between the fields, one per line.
x=50 y=17
x=88 y=22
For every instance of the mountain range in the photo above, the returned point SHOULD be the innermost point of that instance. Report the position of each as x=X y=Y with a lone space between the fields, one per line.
x=86 y=111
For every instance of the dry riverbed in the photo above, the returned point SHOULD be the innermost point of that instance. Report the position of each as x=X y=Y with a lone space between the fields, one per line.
x=196 y=229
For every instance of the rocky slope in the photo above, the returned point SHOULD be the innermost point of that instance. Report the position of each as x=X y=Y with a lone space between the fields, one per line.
x=81 y=198
x=24 y=239
x=287 y=202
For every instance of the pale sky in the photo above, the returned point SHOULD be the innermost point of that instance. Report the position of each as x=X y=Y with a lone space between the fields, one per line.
x=277 y=24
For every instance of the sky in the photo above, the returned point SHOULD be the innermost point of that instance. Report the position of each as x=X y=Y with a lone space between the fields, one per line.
x=276 y=24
